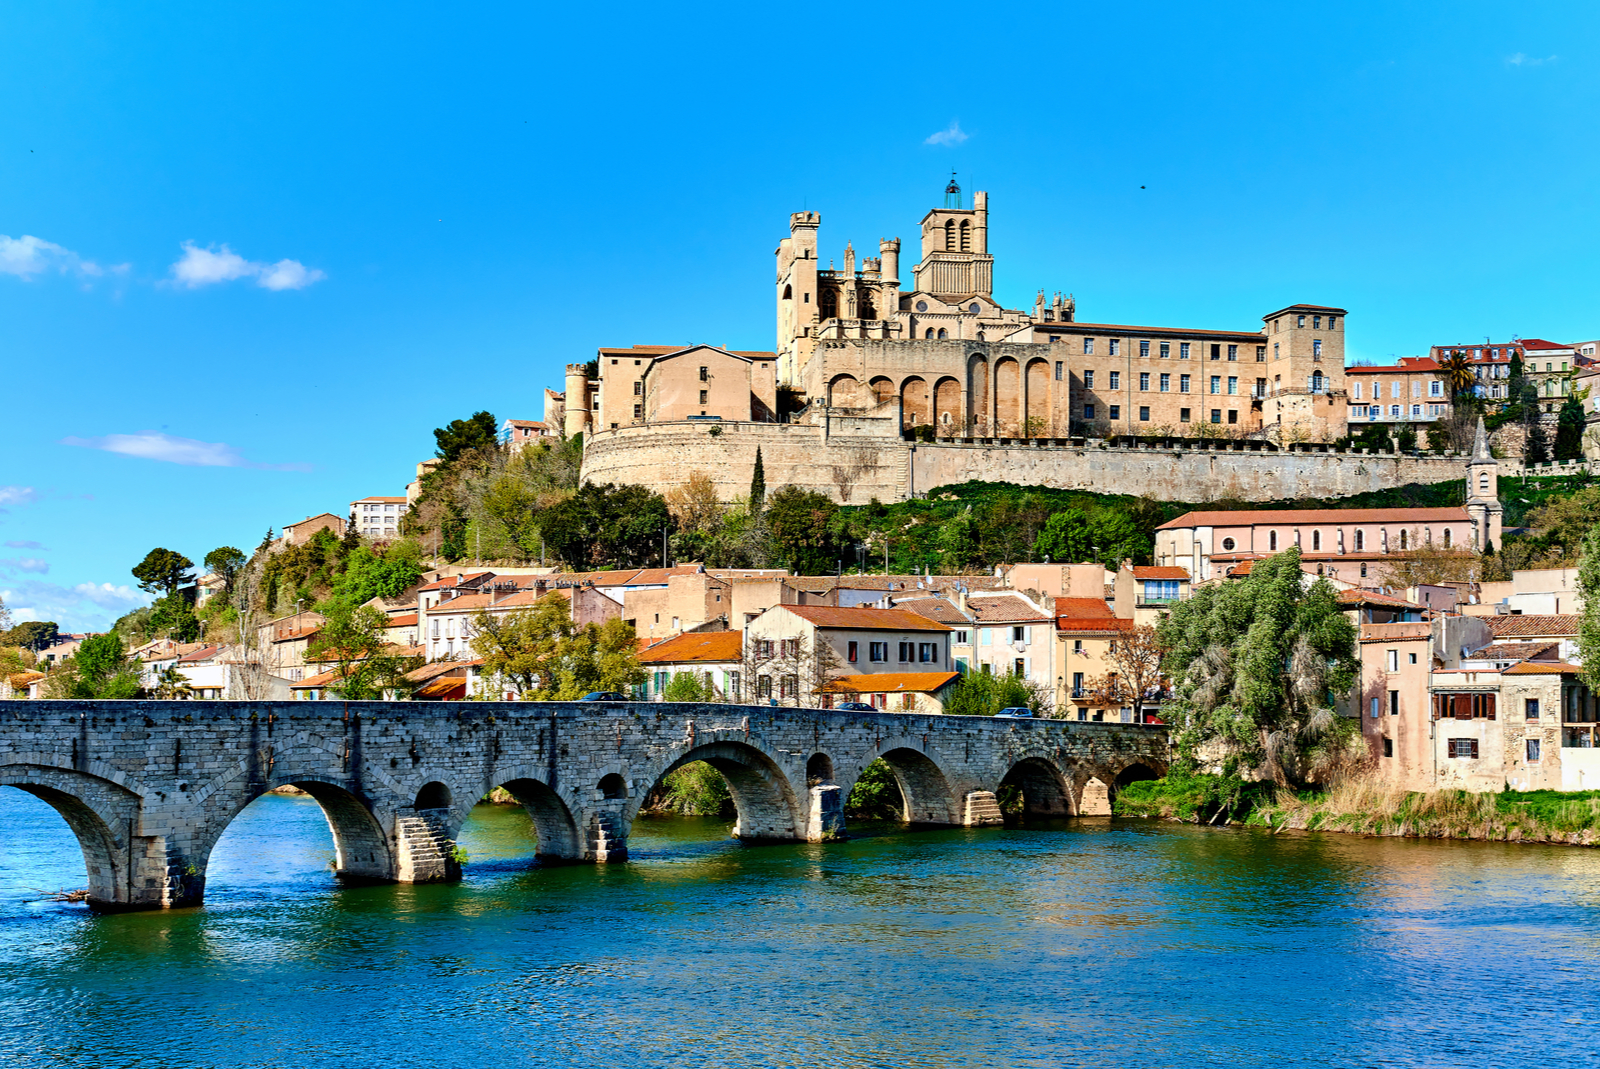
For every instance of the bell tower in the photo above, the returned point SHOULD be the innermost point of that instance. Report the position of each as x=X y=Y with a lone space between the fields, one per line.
x=1483 y=493
x=955 y=248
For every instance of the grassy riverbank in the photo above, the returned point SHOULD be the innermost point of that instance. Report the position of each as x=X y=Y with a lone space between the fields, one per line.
x=1368 y=808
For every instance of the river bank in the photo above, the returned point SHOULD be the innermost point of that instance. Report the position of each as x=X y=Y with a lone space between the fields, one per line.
x=1363 y=807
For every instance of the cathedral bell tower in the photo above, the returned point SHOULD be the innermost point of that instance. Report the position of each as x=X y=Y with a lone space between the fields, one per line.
x=955 y=248
x=1483 y=493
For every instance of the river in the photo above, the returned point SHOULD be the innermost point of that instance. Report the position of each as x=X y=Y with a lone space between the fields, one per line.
x=1079 y=943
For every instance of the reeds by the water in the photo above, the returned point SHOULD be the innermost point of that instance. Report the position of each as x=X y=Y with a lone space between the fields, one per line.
x=1368 y=806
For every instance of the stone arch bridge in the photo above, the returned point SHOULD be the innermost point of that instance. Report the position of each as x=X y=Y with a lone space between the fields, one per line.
x=149 y=787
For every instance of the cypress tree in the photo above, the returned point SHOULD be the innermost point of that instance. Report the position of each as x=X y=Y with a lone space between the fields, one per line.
x=1569 y=428
x=1537 y=448
x=758 y=486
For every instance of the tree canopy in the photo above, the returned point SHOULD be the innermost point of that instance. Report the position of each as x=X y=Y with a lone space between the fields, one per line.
x=545 y=656
x=1258 y=664
x=607 y=524
x=801 y=524
x=101 y=668
x=459 y=435
x=353 y=641
x=163 y=571
x=225 y=562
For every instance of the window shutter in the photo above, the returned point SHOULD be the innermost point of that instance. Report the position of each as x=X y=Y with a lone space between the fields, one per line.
x=1488 y=706
x=1463 y=706
x=1474 y=747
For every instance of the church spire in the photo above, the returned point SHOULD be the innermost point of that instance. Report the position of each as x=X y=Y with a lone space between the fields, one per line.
x=952 y=193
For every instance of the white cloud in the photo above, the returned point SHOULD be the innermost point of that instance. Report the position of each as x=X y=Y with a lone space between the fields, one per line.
x=25 y=564
x=1523 y=60
x=17 y=495
x=289 y=275
x=191 y=452
x=24 y=545
x=950 y=135
x=208 y=266
x=28 y=256
x=84 y=607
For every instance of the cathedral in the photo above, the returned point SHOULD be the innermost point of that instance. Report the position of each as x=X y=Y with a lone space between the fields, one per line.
x=945 y=355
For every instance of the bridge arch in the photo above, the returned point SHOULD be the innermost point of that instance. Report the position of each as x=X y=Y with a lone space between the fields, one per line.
x=764 y=798
x=554 y=813
x=924 y=787
x=104 y=817
x=361 y=845
x=1039 y=786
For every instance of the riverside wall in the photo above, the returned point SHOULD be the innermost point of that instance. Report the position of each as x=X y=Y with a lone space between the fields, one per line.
x=852 y=466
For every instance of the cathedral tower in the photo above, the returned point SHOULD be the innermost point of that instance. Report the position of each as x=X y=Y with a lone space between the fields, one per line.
x=955 y=248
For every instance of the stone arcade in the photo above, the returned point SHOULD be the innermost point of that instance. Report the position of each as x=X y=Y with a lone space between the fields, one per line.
x=149 y=787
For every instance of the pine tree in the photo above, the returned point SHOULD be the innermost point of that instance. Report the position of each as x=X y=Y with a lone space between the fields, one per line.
x=758 y=486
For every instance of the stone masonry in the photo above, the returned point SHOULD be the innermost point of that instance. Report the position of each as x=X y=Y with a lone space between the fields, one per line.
x=149 y=787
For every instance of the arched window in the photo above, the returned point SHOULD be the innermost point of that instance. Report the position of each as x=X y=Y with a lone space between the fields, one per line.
x=941 y=332
x=1316 y=540
x=1483 y=482
x=867 y=310
x=981 y=337
x=929 y=333
x=1447 y=538
x=1361 y=540
x=1272 y=542
x=966 y=237
x=1316 y=380
x=788 y=293
x=1402 y=540
x=950 y=236
x=828 y=304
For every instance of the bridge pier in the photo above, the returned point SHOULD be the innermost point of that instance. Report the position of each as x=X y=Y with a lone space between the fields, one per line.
x=825 y=817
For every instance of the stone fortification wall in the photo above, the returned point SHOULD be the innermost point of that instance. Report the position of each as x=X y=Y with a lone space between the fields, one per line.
x=854 y=468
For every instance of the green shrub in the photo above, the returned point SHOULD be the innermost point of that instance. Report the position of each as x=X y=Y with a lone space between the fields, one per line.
x=876 y=795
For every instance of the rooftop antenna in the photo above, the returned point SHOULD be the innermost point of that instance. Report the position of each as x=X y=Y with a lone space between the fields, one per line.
x=952 y=193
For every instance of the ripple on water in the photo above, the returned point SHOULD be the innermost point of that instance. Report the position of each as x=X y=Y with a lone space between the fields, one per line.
x=1092 y=943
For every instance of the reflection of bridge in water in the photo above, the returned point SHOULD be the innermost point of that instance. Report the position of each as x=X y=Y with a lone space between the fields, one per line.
x=149 y=787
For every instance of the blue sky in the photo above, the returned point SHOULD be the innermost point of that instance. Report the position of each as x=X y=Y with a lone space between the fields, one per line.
x=251 y=257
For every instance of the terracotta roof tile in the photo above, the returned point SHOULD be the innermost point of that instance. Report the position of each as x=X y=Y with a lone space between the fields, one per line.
x=698 y=646
x=1006 y=609
x=864 y=619
x=1514 y=651
x=1159 y=571
x=890 y=683
x=935 y=608
x=403 y=620
x=1541 y=668
x=1313 y=517
x=1084 y=609
x=1563 y=626
x=1373 y=597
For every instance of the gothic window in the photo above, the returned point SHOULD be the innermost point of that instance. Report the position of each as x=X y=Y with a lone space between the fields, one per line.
x=1447 y=538
x=828 y=304
x=788 y=293
x=928 y=333
x=941 y=332
x=966 y=237
x=1483 y=482
x=1361 y=540
x=1272 y=542
x=867 y=310
x=1402 y=540
x=1316 y=541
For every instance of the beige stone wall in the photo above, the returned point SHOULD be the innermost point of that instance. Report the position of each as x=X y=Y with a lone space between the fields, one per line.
x=855 y=469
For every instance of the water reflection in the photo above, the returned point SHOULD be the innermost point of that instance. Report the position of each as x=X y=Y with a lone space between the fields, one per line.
x=1093 y=943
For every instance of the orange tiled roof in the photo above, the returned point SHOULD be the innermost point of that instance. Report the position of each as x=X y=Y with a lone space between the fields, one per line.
x=934 y=608
x=865 y=619
x=1084 y=609
x=1159 y=571
x=1373 y=597
x=1541 y=668
x=698 y=646
x=1313 y=517
x=890 y=683
x=1520 y=651
x=1005 y=609
x=440 y=668
x=408 y=619
x=1565 y=625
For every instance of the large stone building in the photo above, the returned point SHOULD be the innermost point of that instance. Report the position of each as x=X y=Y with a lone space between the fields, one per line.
x=946 y=353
